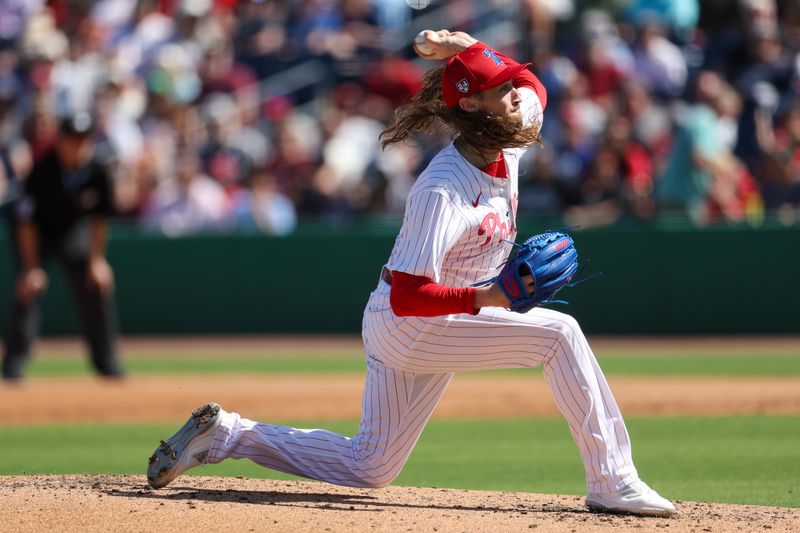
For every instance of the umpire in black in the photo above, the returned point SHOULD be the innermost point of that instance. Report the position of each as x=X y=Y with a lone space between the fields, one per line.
x=62 y=214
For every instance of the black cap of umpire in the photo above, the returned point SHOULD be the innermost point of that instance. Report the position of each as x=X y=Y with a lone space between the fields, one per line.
x=79 y=124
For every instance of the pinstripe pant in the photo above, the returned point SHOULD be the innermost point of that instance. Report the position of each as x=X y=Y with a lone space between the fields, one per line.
x=410 y=362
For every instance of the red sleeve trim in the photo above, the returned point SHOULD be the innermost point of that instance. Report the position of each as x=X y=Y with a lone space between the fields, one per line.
x=419 y=296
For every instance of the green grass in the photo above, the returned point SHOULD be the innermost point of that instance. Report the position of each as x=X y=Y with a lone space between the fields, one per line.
x=743 y=459
x=222 y=364
x=704 y=364
x=701 y=363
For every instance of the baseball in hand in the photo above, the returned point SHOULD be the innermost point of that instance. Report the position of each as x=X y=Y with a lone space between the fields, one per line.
x=422 y=45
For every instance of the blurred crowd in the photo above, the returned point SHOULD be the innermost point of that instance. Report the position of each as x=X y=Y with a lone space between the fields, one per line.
x=233 y=115
x=663 y=106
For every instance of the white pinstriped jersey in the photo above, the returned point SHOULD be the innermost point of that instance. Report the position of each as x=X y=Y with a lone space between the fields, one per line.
x=458 y=220
x=456 y=229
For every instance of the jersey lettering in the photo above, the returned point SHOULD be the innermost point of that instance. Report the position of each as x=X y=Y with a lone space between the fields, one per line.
x=492 y=224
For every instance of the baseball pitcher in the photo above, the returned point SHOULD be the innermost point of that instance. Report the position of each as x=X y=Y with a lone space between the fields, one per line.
x=449 y=299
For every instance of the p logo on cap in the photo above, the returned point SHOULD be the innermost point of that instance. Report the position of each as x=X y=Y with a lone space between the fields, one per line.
x=490 y=53
x=474 y=70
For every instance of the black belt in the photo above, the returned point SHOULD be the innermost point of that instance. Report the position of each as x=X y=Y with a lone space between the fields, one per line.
x=386 y=275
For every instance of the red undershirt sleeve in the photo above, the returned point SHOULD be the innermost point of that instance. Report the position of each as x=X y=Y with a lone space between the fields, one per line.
x=419 y=296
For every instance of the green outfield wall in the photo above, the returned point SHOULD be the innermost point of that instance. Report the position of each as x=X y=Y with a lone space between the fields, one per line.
x=665 y=279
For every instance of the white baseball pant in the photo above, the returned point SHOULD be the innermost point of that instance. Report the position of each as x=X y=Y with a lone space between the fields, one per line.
x=410 y=362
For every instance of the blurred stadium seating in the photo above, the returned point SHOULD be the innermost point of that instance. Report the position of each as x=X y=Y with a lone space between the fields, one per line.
x=226 y=115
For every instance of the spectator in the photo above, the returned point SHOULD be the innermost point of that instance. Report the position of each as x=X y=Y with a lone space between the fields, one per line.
x=298 y=142
x=543 y=194
x=780 y=167
x=261 y=206
x=346 y=156
x=731 y=33
x=609 y=61
x=651 y=123
x=635 y=168
x=264 y=42
x=222 y=154
x=541 y=17
x=659 y=64
x=600 y=191
x=78 y=75
x=62 y=214
x=394 y=171
x=191 y=203
x=603 y=77
x=135 y=43
x=763 y=83
x=702 y=176
x=582 y=121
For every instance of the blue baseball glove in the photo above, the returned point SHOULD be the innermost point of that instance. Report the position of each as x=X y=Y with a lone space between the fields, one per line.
x=549 y=258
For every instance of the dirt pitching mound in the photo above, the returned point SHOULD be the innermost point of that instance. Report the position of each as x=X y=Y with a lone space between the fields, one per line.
x=125 y=503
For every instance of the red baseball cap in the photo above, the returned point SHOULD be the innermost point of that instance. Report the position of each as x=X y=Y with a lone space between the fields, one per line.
x=474 y=70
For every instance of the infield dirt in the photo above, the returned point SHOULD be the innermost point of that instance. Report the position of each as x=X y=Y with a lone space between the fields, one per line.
x=117 y=503
x=298 y=397
x=294 y=398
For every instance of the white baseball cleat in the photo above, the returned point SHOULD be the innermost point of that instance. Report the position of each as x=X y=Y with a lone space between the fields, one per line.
x=185 y=449
x=636 y=498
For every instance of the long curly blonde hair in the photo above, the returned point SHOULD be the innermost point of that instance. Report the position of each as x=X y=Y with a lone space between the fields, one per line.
x=481 y=131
